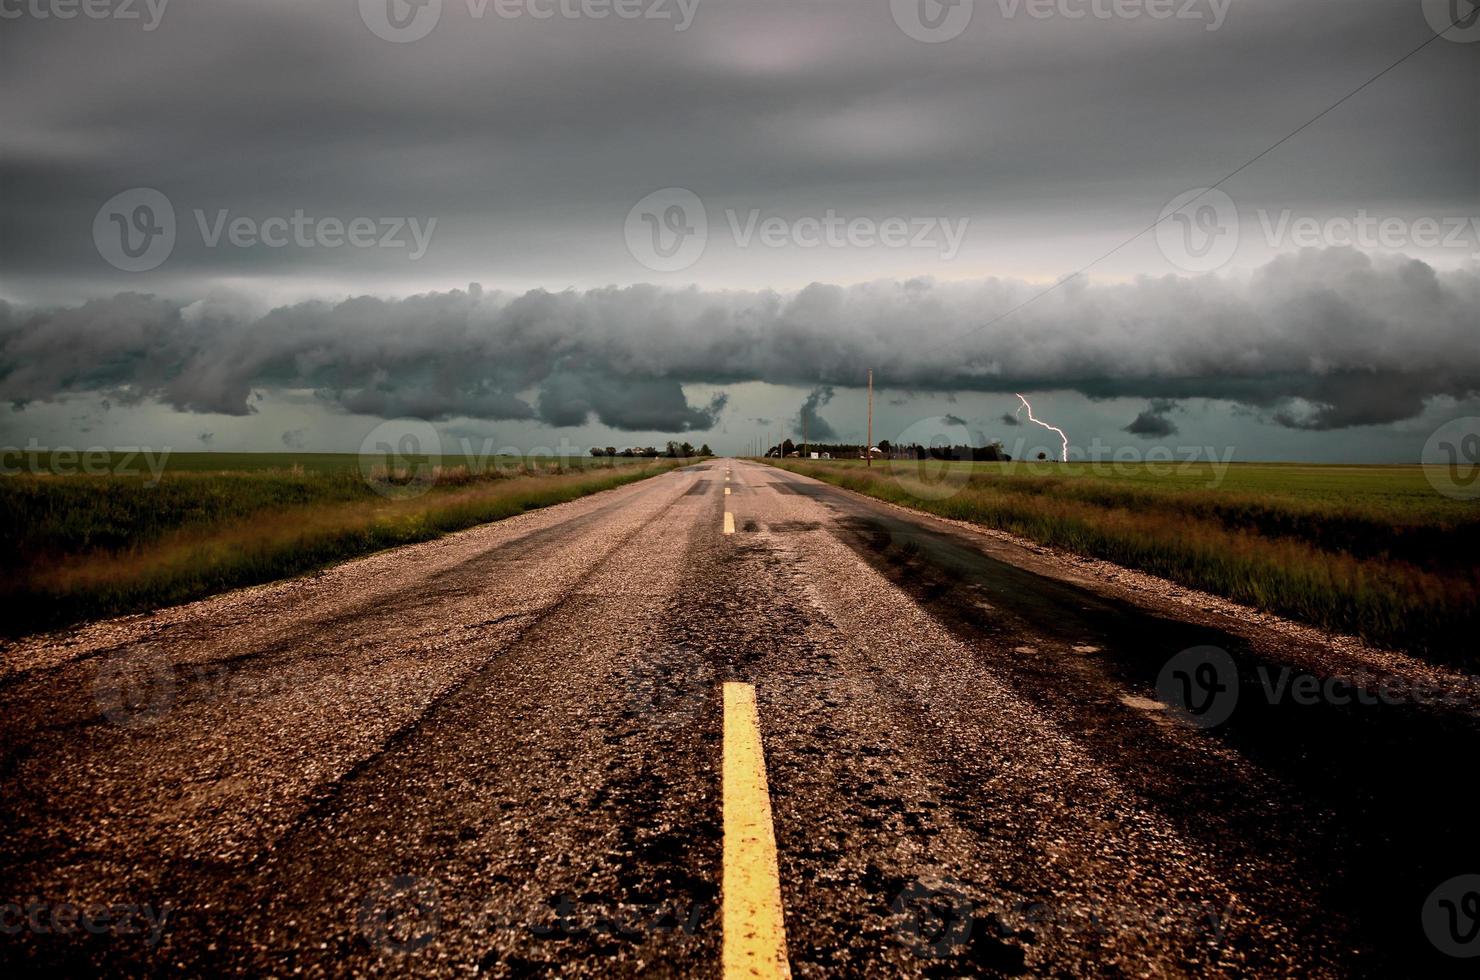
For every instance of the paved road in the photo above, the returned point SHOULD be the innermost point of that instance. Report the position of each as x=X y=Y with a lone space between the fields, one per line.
x=500 y=752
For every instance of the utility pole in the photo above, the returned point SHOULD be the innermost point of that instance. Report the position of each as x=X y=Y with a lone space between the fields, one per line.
x=868 y=451
x=804 y=436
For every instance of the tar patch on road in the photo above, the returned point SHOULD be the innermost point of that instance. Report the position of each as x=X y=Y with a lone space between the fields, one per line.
x=1330 y=841
x=801 y=489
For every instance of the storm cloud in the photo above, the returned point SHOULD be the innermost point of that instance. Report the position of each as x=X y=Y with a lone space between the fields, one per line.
x=809 y=422
x=1321 y=339
x=529 y=140
x=1153 y=423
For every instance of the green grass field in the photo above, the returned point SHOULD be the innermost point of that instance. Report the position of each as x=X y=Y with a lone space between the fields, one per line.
x=1370 y=550
x=80 y=543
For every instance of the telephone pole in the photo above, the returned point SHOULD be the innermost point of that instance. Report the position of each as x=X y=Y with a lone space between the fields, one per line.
x=868 y=451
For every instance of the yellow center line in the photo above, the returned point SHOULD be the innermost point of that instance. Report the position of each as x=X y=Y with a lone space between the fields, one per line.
x=729 y=523
x=754 y=925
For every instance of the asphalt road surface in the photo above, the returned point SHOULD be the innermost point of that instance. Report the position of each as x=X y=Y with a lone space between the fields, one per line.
x=501 y=753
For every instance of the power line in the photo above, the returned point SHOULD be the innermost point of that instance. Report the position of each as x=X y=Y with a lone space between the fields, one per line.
x=1212 y=187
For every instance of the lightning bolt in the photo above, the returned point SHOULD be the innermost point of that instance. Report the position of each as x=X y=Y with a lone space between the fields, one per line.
x=1065 y=450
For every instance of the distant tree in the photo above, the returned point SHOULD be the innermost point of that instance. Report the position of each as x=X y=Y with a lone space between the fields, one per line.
x=627 y=452
x=1043 y=455
x=611 y=450
x=704 y=450
x=788 y=447
x=884 y=446
x=672 y=449
x=686 y=450
x=598 y=451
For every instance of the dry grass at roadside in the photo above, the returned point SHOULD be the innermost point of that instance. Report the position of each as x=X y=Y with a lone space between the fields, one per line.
x=1402 y=576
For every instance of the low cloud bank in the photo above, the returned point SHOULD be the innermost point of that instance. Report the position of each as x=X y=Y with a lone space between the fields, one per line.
x=1322 y=339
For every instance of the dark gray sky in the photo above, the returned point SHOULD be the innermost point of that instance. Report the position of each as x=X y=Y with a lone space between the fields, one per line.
x=851 y=196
